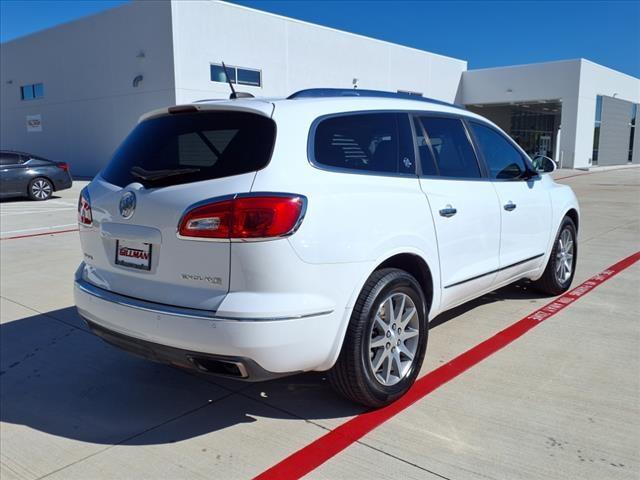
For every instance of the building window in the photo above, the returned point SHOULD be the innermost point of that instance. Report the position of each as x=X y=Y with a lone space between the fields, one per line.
x=632 y=124
x=249 y=77
x=596 y=130
x=32 y=92
x=237 y=75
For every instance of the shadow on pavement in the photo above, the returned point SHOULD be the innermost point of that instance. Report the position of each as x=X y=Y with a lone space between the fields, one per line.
x=58 y=378
x=64 y=381
x=516 y=291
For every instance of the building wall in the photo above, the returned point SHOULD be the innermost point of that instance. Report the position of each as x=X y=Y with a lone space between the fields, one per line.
x=575 y=82
x=295 y=55
x=599 y=80
x=87 y=68
x=614 y=132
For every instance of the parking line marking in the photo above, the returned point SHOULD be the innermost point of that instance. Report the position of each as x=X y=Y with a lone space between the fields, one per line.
x=51 y=227
x=335 y=441
x=54 y=232
x=8 y=213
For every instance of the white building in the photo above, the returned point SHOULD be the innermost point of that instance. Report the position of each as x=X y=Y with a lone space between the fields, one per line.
x=560 y=107
x=72 y=92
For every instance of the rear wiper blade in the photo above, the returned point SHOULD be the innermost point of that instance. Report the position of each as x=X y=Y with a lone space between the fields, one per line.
x=154 y=175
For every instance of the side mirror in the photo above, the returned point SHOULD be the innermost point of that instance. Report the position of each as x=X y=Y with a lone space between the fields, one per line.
x=543 y=164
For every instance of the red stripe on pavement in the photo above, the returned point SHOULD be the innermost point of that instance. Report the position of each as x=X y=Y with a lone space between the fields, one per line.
x=316 y=453
x=55 y=232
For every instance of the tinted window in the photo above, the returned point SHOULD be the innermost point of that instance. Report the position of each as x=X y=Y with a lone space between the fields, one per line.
x=38 y=90
x=248 y=77
x=26 y=92
x=453 y=153
x=427 y=162
x=503 y=160
x=7 y=158
x=31 y=92
x=378 y=142
x=218 y=74
x=203 y=145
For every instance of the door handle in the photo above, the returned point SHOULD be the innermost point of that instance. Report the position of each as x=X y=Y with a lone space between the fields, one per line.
x=510 y=206
x=448 y=211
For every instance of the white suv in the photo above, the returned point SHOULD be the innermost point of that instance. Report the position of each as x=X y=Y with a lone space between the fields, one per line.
x=259 y=238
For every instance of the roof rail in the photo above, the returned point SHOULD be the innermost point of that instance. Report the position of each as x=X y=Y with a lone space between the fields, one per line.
x=352 y=92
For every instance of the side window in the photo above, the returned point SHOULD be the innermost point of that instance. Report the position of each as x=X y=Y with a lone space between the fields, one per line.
x=503 y=160
x=375 y=142
x=9 y=159
x=454 y=156
x=427 y=163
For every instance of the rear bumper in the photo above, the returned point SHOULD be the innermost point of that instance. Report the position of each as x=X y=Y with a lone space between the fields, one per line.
x=236 y=367
x=190 y=338
x=62 y=181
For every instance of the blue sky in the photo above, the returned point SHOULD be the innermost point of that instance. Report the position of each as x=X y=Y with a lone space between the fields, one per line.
x=485 y=33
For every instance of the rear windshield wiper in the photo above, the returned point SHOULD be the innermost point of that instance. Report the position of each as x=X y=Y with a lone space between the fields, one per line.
x=155 y=175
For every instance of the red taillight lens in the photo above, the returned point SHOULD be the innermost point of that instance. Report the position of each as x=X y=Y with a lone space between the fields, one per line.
x=84 y=209
x=64 y=166
x=208 y=221
x=244 y=217
x=263 y=217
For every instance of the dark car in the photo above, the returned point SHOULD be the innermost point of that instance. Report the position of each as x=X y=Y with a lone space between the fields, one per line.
x=23 y=174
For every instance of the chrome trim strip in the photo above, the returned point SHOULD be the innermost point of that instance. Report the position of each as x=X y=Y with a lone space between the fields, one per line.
x=151 y=307
x=495 y=271
x=162 y=309
x=266 y=319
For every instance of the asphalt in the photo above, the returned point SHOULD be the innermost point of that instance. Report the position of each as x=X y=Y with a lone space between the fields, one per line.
x=561 y=402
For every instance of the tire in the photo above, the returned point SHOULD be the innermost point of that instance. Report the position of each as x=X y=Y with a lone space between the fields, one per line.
x=554 y=281
x=365 y=344
x=40 y=188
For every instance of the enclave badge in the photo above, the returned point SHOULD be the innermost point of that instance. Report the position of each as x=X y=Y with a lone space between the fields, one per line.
x=128 y=204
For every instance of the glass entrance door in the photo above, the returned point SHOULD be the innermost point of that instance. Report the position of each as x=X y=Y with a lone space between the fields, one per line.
x=534 y=131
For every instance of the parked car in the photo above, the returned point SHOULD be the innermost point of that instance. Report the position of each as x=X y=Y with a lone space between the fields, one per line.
x=260 y=238
x=23 y=174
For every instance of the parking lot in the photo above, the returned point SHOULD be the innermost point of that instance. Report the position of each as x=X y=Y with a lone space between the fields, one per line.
x=560 y=401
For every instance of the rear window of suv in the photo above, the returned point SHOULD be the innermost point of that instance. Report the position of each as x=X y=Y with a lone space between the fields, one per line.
x=191 y=147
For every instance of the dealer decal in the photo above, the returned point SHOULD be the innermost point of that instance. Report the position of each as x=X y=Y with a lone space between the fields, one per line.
x=134 y=253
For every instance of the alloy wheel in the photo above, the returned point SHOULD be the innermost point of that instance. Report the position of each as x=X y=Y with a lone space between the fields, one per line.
x=393 y=339
x=41 y=189
x=564 y=256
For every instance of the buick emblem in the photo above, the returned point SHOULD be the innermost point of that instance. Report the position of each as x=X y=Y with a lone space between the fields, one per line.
x=128 y=204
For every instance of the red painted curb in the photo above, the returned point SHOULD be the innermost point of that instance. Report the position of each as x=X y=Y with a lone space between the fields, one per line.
x=316 y=453
x=55 y=232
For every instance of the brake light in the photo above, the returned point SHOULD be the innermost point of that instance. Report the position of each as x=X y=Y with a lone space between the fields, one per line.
x=84 y=208
x=261 y=216
x=63 y=165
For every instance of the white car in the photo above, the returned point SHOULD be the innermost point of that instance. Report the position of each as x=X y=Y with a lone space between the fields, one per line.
x=259 y=238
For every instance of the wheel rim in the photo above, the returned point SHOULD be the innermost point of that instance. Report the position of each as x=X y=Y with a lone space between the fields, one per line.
x=41 y=189
x=564 y=256
x=393 y=339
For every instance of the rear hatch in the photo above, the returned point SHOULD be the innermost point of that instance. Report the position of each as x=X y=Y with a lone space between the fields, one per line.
x=167 y=164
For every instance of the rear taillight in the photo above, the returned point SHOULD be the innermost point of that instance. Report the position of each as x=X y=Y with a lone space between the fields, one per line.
x=63 y=165
x=256 y=216
x=84 y=208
